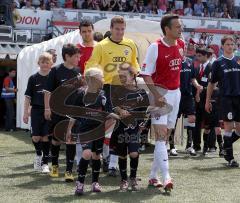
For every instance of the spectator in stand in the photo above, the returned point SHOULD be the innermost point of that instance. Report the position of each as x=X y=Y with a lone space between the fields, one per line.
x=205 y=13
x=211 y=7
x=42 y=7
x=88 y=4
x=135 y=8
x=105 y=5
x=28 y=5
x=230 y=4
x=17 y=3
x=142 y=7
x=198 y=8
x=237 y=9
x=225 y=14
x=203 y=39
x=115 y=5
x=162 y=7
x=15 y=13
x=79 y=4
x=52 y=5
x=36 y=3
x=68 y=4
x=192 y=38
x=188 y=11
x=61 y=3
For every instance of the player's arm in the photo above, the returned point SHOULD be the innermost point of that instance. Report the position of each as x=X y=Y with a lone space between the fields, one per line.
x=134 y=62
x=211 y=86
x=27 y=100
x=96 y=57
x=148 y=68
x=47 y=94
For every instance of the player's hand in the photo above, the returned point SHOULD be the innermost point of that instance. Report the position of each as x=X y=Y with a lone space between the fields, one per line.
x=25 y=118
x=160 y=102
x=124 y=113
x=197 y=98
x=199 y=88
x=208 y=107
x=68 y=137
x=47 y=114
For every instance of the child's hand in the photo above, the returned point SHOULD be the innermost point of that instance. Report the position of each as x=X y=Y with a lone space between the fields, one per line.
x=25 y=118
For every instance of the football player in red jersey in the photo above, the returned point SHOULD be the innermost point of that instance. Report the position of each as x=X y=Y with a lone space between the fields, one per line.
x=86 y=30
x=161 y=72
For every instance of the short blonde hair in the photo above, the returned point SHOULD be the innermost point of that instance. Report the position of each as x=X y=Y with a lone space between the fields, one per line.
x=117 y=20
x=93 y=71
x=45 y=56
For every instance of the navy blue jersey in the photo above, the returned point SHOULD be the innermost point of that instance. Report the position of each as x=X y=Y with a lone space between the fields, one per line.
x=226 y=72
x=58 y=75
x=187 y=73
x=90 y=100
x=36 y=84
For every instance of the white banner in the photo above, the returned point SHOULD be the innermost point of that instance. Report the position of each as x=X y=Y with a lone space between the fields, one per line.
x=33 y=19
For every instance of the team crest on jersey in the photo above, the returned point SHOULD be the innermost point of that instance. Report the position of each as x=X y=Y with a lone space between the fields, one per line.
x=126 y=52
x=181 y=52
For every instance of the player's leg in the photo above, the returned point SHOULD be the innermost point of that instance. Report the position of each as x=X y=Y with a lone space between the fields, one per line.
x=70 y=155
x=45 y=149
x=82 y=170
x=133 y=150
x=190 y=134
x=97 y=149
x=78 y=153
x=218 y=132
x=55 y=147
x=105 y=154
x=198 y=128
x=228 y=144
x=36 y=138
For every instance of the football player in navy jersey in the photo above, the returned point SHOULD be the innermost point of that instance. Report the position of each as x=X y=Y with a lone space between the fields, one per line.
x=187 y=105
x=34 y=96
x=226 y=72
x=57 y=76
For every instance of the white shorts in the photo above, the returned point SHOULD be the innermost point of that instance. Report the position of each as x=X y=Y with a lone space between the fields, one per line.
x=173 y=98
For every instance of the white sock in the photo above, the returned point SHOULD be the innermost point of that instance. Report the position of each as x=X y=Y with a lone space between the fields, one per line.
x=105 y=151
x=154 y=168
x=78 y=153
x=162 y=159
x=113 y=161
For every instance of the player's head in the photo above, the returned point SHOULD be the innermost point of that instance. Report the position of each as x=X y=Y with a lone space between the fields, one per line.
x=12 y=72
x=107 y=34
x=45 y=61
x=117 y=28
x=94 y=78
x=70 y=54
x=228 y=44
x=53 y=53
x=126 y=73
x=171 y=26
x=203 y=54
x=86 y=30
x=98 y=36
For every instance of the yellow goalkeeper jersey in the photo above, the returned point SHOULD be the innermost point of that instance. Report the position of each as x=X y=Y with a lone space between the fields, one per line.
x=108 y=55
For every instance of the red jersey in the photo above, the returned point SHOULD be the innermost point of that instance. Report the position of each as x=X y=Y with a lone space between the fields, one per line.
x=86 y=53
x=163 y=63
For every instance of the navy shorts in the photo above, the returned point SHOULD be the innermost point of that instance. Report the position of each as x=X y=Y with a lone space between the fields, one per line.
x=211 y=120
x=55 y=119
x=187 y=106
x=125 y=140
x=230 y=108
x=39 y=125
x=95 y=146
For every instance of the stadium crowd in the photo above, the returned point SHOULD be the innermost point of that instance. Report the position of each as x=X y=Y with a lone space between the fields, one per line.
x=204 y=8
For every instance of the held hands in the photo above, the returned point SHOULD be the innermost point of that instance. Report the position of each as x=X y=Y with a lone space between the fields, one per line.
x=160 y=101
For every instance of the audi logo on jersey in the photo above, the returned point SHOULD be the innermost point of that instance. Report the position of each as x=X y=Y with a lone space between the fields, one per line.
x=175 y=62
x=119 y=59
